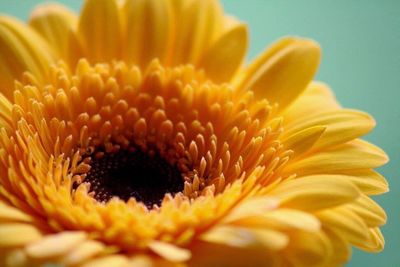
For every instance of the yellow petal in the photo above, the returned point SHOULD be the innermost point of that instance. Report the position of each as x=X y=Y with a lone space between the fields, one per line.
x=141 y=261
x=345 y=222
x=21 y=49
x=83 y=252
x=315 y=192
x=368 y=210
x=100 y=30
x=244 y=237
x=354 y=155
x=317 y=98
x=149 y=28
x=213 y=254
x=170 y=251
x=55 y=245
x=197 y=25
x=341 y=126
x=17 y=234
x=57 y=25
x=107 y=261
x=368 y=181
x=5 y=113
x=301 y=141
x=283 y=71
x=309 y=249
x=225 y=56
x=8 y=213
x=149 y=261
x=375 y=242
x=251 y=207
x=282 y=219
x=341 y=248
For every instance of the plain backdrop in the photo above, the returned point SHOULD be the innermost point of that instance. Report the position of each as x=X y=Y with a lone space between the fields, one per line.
x=361 y=62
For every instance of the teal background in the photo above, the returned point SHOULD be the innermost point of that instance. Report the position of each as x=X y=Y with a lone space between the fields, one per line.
x=361 y=62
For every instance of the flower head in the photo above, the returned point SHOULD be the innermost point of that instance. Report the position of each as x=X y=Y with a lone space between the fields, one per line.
x=133 y=135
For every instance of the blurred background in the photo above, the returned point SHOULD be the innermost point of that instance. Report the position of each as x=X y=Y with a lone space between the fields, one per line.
x=361 y=62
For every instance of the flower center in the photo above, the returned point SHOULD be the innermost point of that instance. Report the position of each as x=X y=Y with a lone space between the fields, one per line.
x=132 y=173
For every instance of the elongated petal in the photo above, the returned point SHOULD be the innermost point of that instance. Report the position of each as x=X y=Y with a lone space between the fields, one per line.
x=107 y=261
x=341 y=248
x=346 y=222
x=315 y=192
x=309 y=249
x=55 y=245
x=83 y=252
x=341 y=126
x=17 y=234
x=316 y=99
x=198 y=24
x=224 y=57
x=213 y=254
x=375 y=242
x=303 y=140
x=8 y=213
x=57 y=24
x=169 y=251
x=283 y=72
x=244 y=237
x=21 y=49
x=149 y=28
x=100 y=30
x=252 y=207
x=283 y=219
x=350 y=156
x=368 y=210
x=368 y=181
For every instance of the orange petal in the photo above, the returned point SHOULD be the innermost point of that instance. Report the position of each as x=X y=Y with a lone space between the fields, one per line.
x=283 y=71
x=198 y=23
x=149 y=28
x=100 y=30
x=57 y=24
x=224 y=57
x=21 y=49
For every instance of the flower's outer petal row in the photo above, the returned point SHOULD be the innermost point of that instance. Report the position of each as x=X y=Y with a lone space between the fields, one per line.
x=57 y=24
x=170 y=251
x=148 y=30
x=55 y=245
x=216 y=254
x=197 y=25
x=21 y=49
x=282 y=72
x=303 y=140
x=28 y=247
x=100 y=30
x=17 y=234
x=244 y=236
x=315 y=193
x=356 y=154
x=368 y=181
x=83 y=252
x=341 y=126
x=8 y=213
x=317 y=98
x=105 y=261
x=226 y=54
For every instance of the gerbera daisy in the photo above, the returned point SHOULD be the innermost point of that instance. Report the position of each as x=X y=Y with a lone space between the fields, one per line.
x=133 y=135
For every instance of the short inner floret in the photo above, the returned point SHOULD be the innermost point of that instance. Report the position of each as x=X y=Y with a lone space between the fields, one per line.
x=127 y=173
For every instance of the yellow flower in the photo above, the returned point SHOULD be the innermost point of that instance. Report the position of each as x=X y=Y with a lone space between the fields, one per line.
x=133 y=135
